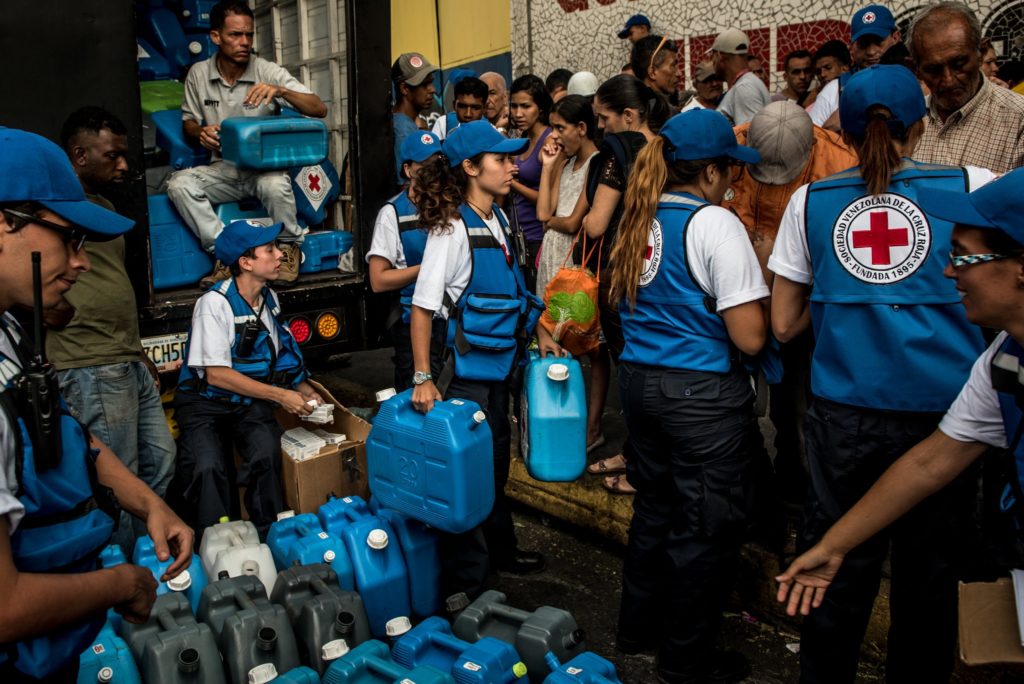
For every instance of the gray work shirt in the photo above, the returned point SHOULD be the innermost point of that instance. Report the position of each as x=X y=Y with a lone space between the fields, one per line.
x=209 y=99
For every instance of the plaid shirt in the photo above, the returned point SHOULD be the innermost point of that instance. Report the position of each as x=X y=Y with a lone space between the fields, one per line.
x=988 y=132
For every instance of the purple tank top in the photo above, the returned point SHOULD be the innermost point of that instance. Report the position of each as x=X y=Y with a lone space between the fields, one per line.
x=529 y=175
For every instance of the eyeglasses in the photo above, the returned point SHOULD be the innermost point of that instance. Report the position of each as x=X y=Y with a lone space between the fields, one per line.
x=73 y=236
x=961 y=260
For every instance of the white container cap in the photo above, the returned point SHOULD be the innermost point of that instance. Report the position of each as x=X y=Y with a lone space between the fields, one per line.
x=180 y=583
x=261 y=674
x=480 y=417
x=195 y=47
x=284 y=515
x=559 y=372
x=329 y=556
x=333 y=650
x=398 y=626
x=377 y=539
x=106 y=674
x=385 y=394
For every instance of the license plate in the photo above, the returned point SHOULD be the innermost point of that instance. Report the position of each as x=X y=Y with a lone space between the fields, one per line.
x=166 y=351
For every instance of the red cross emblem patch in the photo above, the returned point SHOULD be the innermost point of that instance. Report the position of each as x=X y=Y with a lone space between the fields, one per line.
x=652 y=255
x=882 y=239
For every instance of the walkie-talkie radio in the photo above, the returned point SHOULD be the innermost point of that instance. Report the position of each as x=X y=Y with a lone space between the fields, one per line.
x=37 y=390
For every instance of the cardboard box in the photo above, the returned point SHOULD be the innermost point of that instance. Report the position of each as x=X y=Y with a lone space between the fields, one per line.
x=338 y=470
x=988 y=623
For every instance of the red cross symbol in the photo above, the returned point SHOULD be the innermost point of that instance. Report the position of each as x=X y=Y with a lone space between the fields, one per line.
x=880 y=238
x=314 y=183
x=649 y=253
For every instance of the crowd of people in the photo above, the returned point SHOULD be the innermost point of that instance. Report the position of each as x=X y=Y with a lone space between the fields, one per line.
x=804 y=250
x=845 y=255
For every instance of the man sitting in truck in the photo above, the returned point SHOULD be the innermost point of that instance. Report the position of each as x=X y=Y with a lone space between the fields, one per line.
x=236 y=83
x=107 y=379
x=240 y=363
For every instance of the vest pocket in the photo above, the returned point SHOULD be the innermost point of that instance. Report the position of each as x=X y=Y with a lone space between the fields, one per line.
x=484 y=357
x=490 y=315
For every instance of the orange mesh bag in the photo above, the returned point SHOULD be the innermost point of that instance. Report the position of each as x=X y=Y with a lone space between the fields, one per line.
x=570 y=303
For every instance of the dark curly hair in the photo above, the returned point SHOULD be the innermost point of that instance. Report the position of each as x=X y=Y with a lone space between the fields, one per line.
x=440 y=189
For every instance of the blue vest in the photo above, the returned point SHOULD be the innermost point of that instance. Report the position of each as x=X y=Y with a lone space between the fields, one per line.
x=495 y=313
x=1008 y=381
x=63 y=530
x=414 y=241
x=674 y=324
x=890 y=332
x=283 y=368
x=451 y=122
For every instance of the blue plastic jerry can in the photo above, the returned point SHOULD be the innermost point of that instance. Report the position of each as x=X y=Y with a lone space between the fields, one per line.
x=382 y=578
x=488 y=661
x=182 y=153
x=178 y=258
x=333 y=516
x=161 y=27
x=108 y=659
x=586 y=668
x=370 y=663
x=420 y=550
x=152 y=65
x=109 y=557
x=298 y=675
x=265 y=143
x=195 y=14
x=553 y=419
x=301 y=540
x=320 y=251
x=189 y=582
x=434 y=467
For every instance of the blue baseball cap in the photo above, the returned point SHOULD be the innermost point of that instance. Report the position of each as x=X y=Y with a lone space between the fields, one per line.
x=873 y=20
x=456 y=75
x=703 y=134
x=635 y=20
x=418 y=146
x=892 y=86
x=34 y=169
x=239 y=236
x=470 y=139
x=996 y=205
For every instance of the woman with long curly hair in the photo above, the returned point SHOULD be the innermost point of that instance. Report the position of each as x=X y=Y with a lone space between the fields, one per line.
x=690 y=294
x=471 y=275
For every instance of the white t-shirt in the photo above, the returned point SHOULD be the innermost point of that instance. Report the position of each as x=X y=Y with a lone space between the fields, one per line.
x=791 y=257
x=974 y=415
x=692 y=104
x=213 y=332
x=10 y=506
x=387 y=242
x=744 y=99
x=447 y=265
x=440 y=128
x=826 y=104
x=722 y=260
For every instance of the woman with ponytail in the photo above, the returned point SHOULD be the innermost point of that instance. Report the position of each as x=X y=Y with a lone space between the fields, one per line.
x=630 y=114
x=892 y=349
x=691 y=296
x=471 y=276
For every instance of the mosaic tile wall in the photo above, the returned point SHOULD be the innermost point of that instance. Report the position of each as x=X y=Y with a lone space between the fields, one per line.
x=581 y=34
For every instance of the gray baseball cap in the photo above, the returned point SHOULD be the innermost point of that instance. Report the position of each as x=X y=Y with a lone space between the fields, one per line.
x=784 y=135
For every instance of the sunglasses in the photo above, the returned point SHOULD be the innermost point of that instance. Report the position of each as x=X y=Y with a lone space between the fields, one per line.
x=72 y=235
x=961 y=260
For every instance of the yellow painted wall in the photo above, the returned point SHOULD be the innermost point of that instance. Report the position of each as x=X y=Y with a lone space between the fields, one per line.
x=414 y=29
x=474 y=29
x=470 y=29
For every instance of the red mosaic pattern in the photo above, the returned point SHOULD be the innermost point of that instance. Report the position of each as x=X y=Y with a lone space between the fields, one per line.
x=807 y=36
x=760 y=45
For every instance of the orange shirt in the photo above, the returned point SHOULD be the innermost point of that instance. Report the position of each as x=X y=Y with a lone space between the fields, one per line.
x=760 y=206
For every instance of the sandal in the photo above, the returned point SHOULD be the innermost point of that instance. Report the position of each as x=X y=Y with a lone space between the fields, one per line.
x=617 y=484
x=602 y=468
x=596 y=444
